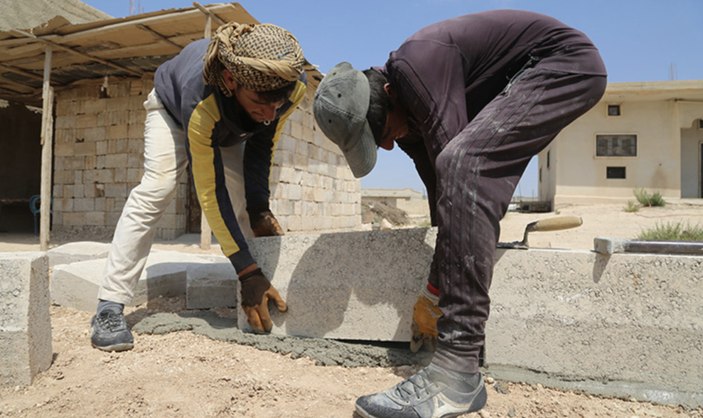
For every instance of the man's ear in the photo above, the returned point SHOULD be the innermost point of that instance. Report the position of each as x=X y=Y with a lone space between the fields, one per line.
x=389 y=90
x=228 y=79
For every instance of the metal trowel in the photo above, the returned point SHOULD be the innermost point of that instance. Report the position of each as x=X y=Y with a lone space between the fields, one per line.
x=555 y=223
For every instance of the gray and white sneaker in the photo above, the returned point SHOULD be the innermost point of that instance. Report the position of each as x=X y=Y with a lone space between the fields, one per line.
x=432 y=392
x=109 y=331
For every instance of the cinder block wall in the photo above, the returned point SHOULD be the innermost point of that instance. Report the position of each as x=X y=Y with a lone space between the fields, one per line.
x=98 y=159
x=312 y=187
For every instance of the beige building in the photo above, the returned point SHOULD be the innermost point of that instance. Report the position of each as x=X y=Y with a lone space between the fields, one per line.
x=640 y=135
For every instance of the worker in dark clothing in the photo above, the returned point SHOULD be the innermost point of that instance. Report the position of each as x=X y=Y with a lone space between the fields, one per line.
x=471 y=100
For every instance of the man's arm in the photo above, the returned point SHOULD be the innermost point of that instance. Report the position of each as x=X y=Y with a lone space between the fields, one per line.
x=428 y=76
x=208 y=176
x=258 y=158
x=416 y=150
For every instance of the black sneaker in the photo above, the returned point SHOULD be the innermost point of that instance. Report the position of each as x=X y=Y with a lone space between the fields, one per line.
x=431 y=392
x=109 y=331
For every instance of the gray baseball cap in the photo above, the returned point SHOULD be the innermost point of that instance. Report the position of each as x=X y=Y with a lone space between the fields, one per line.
x=341 y=103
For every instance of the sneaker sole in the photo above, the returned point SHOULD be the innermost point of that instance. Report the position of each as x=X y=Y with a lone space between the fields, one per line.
x=364 y=414
x=476 y=405
x=115 y=347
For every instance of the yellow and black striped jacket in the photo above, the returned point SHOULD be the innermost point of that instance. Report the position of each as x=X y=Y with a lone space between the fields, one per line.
x=211 y=121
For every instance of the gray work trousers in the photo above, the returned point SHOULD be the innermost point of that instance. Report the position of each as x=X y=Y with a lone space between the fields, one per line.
x=477 y=173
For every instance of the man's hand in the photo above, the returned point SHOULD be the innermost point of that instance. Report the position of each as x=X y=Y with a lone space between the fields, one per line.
x=256 y=292
x=264 y=224
x=424 y=327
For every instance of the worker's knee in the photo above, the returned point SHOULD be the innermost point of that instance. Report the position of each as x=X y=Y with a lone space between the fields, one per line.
x=156 y=189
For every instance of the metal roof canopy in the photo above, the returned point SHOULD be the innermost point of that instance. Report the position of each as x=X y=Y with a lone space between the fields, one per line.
x=133 y=46
x=36 y=61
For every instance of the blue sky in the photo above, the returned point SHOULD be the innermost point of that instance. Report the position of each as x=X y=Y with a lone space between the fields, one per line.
x=640 y=40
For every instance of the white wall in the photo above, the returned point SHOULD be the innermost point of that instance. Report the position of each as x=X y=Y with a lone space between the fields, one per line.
x=582 y=176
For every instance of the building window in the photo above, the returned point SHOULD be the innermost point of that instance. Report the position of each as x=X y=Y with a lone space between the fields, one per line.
x=616 y=145
x=548 y=158
x=615 y=172
x=613 y=110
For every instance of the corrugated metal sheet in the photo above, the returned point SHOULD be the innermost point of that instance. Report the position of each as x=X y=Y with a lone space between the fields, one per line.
x=131 y=47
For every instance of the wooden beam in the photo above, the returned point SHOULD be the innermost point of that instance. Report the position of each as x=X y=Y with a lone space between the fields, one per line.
x=158 y=35
x=146 y=21
x=207 y=33
x=20 y=71
x=69 y=37
x=17 y=87
x=209 y=13
x=205 y=233
x=73 y=51
x=47 y=128
x=205 y=230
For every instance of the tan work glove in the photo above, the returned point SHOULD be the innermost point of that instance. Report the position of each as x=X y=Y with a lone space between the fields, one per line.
x=425 y=315
x=264 y=224
x=256 y=292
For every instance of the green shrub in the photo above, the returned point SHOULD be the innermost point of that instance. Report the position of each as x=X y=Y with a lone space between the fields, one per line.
x=632 y=206
x=646 y=199
x=672 y=232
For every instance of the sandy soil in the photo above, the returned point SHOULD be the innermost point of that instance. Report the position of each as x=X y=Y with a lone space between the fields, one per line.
x=183 y=374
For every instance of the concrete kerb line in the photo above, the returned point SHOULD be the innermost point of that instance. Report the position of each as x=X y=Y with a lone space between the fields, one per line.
x=642 y=309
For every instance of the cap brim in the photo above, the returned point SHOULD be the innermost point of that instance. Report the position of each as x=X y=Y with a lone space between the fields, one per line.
x=362 y=156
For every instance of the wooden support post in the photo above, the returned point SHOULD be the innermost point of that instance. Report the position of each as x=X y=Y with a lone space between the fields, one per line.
x=205 y=231
x=47 y=124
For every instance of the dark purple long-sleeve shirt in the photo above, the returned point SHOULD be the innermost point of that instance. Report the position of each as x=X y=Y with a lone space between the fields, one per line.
x=447 y=72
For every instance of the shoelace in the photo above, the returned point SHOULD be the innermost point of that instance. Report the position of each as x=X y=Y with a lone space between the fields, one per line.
x=413 y=387
x=110 y=320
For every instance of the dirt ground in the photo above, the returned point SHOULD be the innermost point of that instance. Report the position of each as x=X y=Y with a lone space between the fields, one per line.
x=183 y=374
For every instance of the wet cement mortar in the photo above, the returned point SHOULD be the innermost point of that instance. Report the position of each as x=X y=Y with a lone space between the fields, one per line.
x=324 y=352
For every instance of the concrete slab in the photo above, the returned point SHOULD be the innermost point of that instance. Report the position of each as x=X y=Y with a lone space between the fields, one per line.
x=211 y=284
x=76 y=285
x=77 y=251
x=628 y=322
x=25 y=326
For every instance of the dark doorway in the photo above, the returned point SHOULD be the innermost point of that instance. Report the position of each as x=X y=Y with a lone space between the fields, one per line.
x=20 y=165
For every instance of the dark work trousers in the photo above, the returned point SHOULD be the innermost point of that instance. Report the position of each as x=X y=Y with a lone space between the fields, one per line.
x=477 y=173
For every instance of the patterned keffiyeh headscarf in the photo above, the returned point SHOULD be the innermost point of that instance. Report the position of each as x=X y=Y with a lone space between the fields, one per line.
x=261 y=57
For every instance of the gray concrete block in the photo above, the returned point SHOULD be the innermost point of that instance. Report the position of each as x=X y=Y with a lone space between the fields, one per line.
x=632 y=319
x=25 y=325
x=355 y=285
x=77 y=251
x=607 y=246
x=211 y=284
x=76 y=285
